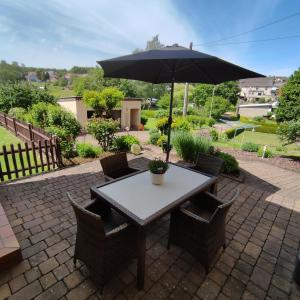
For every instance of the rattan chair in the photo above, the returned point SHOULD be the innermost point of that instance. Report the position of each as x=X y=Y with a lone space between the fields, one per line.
x=115 y=166
x=105 y=242
x=199 y=227
x=211 y=165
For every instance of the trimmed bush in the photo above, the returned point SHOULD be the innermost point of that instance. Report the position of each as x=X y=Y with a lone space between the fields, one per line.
x=259 y=119
x=210 y=122
x=268 y=152
x=230 y=132
x=181 y=123
x=231 y=166
x=88 y=150
x=214 y=135
x=162 y=125
x=250 y=147
x=124 y=142
x=144 y=120
x=162 y=140
x=196 y=121
x=154 y=135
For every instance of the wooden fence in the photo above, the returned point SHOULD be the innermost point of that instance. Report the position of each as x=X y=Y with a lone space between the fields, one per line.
x=40 y=152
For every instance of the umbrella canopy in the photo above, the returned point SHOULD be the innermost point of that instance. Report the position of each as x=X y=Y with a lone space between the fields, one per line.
x=174 y=64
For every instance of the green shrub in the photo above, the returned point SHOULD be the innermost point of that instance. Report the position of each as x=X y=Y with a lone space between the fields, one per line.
x=66 y=141
x=180 y=123
x=103 y=130
x=162 y=140
x=124 y=142
x=17 y=112
x=231 y=131
x=281 y=148
x=148 y=113
x=161 y=113
x=231 y=166
x=214 y=135
x=188 y=146
x=210 y=122
x=177 y=111
x=154 y=135
x=196 y=121
x=162 y=125
x=259 y=119
x=268 y=152
x=267 y=128
x=289 y=131
x=144 y=120
x=87 y=150
x=250 y=147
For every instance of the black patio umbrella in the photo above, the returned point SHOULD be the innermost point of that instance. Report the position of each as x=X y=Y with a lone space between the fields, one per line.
x=174 y=64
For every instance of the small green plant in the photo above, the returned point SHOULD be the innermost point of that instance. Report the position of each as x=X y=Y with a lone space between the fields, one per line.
x=214 y=135
x=231 y=166
x=88 y=150
x=210 y=122
x=162 y=140
x=162 y=125
x=161 y=113
x=103 y=130
x=154 y=135
x=124 y=142
x=196 y=121
x=267 y=154
x=181 y=123
x=281 y=148
x=144 y=120
x=158 y=166
x=250 y=147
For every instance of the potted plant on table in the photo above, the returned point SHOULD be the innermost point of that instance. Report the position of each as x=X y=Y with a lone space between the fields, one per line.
x=157 y=169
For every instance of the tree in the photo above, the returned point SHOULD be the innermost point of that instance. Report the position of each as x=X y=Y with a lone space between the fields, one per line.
x=104 y=101
x=11 y=72
x=217 y=105
x=289 y=131
x=22 y=95
x=289 y=100
x=228 y=90
x=201 y=93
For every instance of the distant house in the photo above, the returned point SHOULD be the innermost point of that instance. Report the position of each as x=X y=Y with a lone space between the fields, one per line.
x=256 y=109
x=261 y=89
x=52 y=75
x=32 y=77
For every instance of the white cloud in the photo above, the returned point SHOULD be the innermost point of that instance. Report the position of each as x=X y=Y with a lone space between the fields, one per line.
x=101 y=28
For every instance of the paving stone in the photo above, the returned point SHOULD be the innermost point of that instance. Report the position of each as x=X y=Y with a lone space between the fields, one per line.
x=73 y=279
x=261 y=278
x=57 y=291
x=17 y=283
x=48 y=280
x=209 y=290
x=28 y=292
x=4 y=291
x=61 y=272
x=82 y=291
x=48 y=265
x=57 y=248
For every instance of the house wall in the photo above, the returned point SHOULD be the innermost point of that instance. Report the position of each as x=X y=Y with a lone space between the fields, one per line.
x=252 y=112
x=127 y=106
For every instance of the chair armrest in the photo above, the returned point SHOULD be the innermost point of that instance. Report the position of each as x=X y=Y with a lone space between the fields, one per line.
x=107 y=178
x=206 y=199
x=192 y=215
x=117 y=230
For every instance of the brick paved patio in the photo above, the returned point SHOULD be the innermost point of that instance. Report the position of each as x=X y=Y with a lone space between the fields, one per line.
x=263 y=239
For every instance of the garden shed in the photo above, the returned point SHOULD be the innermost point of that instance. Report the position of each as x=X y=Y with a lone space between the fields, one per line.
x=129 y=113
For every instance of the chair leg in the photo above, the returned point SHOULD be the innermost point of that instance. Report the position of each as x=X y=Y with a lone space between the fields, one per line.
x=224 y=246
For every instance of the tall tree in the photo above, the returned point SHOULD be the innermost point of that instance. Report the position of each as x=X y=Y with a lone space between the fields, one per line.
x=154 y=43
x=289 y=99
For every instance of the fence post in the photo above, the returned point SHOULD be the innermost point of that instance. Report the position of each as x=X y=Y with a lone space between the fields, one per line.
x=58 y=152
x=15 y=126
x=5 y=121
x=30 y=132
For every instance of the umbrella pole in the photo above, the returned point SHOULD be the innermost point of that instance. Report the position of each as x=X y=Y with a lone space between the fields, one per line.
x=170 y=121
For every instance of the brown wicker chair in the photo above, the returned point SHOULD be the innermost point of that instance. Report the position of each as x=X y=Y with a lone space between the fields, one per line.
x=199 y=227
x=115 y=166
x=211 y=165
x=104 y=241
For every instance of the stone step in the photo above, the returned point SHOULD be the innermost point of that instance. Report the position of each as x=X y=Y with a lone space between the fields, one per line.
x=10 y=252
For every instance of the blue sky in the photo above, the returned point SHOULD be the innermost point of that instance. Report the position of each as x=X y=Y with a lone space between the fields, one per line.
x=56 y=33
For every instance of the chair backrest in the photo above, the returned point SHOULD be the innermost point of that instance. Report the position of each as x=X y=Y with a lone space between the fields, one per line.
x=87 y=222
x=114 y=162
x=223 y=209
x=209 y=164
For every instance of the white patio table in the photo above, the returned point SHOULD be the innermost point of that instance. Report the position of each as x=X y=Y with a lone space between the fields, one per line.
x=135 y=197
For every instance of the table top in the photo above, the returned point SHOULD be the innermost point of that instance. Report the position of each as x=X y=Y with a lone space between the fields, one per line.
x=143 y=201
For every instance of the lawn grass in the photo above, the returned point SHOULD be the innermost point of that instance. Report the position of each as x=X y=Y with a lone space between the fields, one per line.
x=271 y=140
x=7 y=138
x=56 y=91
x=151 y=124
